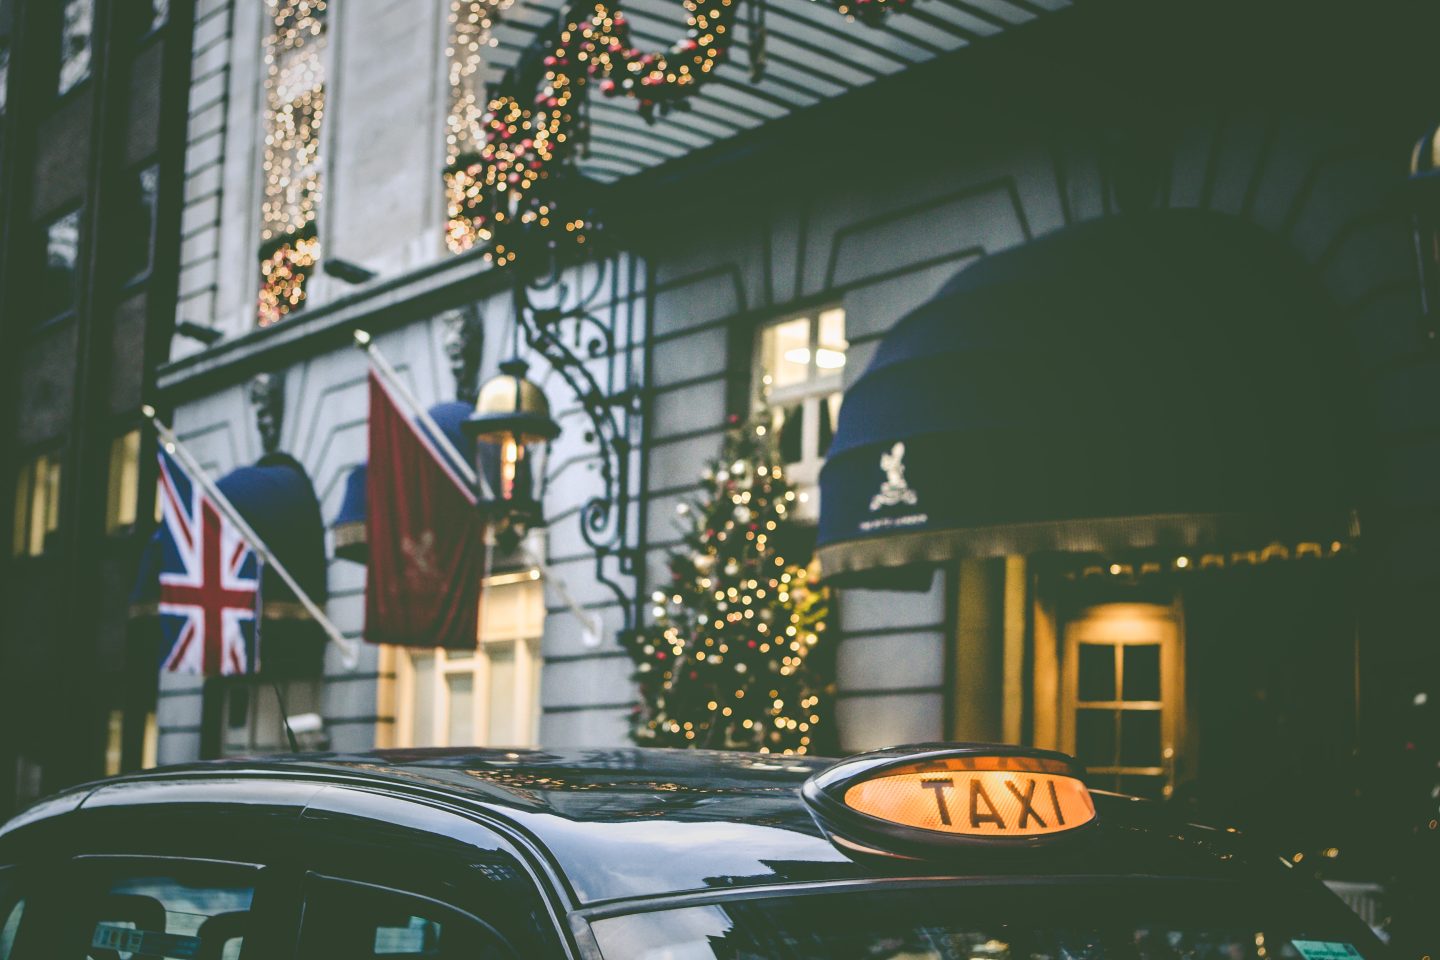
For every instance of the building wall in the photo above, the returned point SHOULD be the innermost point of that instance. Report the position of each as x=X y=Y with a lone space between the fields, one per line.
x=880 y=245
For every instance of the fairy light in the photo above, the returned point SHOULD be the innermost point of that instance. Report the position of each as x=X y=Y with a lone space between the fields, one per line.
x=292 y=187
x=716 y=627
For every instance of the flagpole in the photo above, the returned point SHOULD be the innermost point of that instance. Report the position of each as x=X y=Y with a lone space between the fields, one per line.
x=173 y=446
x=365 y=342
x=392 y=379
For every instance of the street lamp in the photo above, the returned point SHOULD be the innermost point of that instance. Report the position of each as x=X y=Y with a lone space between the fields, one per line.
x=511 y=418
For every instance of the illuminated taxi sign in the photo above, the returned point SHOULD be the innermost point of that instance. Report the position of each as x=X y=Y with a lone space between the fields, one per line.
x=916 y=799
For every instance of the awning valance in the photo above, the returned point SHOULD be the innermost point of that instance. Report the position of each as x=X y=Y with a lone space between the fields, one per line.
x=1140 y=381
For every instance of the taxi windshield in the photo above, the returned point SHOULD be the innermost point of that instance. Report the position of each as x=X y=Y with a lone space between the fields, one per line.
x=1071 y=921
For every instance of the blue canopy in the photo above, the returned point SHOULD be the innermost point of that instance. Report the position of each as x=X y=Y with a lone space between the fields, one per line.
x=276 y=499
x=1156 y=380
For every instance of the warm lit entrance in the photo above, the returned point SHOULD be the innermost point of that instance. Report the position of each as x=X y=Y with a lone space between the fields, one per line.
x=1122 y=695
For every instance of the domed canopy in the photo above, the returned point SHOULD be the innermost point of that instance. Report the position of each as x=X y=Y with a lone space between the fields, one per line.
x=1157 y=380
x=511 y=405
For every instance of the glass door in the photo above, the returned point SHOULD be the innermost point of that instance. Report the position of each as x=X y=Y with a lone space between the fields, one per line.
x=1122 y=690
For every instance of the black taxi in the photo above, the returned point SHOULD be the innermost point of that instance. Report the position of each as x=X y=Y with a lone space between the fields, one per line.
x=928 y=852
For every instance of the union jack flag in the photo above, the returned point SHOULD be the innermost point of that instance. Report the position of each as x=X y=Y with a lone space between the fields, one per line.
x=209 y=583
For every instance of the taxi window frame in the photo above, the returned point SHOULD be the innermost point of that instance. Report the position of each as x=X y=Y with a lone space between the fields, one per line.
x=267 y=902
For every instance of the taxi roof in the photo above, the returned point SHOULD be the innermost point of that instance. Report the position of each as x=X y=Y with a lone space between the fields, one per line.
x=629 y=822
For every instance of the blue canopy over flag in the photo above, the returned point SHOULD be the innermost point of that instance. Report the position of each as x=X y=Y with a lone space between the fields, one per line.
x=276 y=500
x=1133 y=382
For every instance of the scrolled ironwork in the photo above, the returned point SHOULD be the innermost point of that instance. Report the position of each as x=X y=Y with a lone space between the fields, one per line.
x=558 y=320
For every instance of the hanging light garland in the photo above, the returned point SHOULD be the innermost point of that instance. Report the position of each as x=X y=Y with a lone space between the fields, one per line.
x=494 y=194
x=294 y=109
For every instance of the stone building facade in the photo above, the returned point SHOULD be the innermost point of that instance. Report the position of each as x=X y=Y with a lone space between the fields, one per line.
x=865 y=204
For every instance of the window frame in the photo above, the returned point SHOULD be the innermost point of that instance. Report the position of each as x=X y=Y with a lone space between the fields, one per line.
x=69 y=310
x=81 y=83
x=26 y=489
x=139 y=277
x=817 y=389
x=529 y=665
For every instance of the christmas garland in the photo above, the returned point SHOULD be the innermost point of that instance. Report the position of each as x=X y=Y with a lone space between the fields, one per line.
x=530 y=139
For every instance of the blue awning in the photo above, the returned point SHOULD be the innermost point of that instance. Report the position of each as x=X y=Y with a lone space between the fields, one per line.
x=1170 y=379
x=276 y=499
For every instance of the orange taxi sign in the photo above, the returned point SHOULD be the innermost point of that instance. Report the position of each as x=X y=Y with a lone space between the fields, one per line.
x=951 y=794
x=980 y=803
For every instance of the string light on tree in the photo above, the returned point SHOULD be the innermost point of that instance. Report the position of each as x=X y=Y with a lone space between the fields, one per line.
x=735 y=657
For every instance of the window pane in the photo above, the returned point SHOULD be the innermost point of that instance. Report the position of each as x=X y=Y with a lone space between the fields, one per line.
x=62 y=248
x=21 y=534
x=423 y=698
x=359 y=923
x=4 y=71
x=124 y=492
x=786 y=355
x=789 y=426
x=114 y=742
x=52 y=495
x=832 y=347
x=1140 y=738
x=504 y=725
x=461 y=690
x=1142 y=672
x=138 y=222
x=1095 y=737
x=163 y=915
x=75 y=42
x=159 y=13
x=1097 y=672
x=829 y=421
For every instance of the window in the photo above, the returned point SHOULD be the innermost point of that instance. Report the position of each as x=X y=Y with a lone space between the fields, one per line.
x=489 y=696
x=159 y=13
x=253 y=721
x=168 y=911
x=1114 y=920
x=75 y=28
x=802 y=366
x=123 y=496
x=56 y=293
x=357 y=921
x=4 y=71
x=470 y=25
x=294 y=109
x=136 y=251
x=1122 y=696
x=37 y=505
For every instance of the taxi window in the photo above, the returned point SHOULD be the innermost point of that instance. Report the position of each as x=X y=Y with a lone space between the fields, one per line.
x=179 y=911
x=1093 y=921
x=363 y=922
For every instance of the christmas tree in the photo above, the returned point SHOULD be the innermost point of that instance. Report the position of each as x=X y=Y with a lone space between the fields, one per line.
x=735 y=657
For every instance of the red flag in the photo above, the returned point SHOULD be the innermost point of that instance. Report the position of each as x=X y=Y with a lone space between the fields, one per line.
x=427 y=540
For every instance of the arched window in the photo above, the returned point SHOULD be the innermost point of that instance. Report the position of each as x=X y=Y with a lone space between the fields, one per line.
x=1425 y=186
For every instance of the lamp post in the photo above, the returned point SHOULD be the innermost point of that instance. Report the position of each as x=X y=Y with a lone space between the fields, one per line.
x=511 y=420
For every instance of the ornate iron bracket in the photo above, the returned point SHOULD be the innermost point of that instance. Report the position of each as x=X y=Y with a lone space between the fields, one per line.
x=558 y=321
